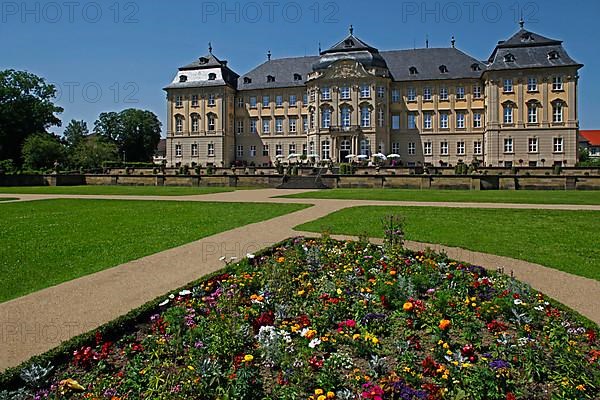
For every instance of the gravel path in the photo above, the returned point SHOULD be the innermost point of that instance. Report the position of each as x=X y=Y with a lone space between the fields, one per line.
x=38 y=322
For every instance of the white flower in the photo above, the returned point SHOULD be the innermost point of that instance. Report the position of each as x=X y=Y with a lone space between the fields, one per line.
x=250 y=256
x=518 y=302
x=171 y=296
x=314 y=343
x=164 y=303
x=185 y=292
x=222 y=258
x=304 y=332
x=232 y=258
x=539 y=308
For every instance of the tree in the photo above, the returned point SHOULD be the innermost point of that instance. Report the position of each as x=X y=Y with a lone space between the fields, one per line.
x=42 y=150
x=135 y=132
x=75 y=133
x=26 y=108
x=92 y=151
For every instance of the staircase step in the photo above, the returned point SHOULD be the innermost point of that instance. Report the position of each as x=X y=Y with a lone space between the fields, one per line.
x=302 y=182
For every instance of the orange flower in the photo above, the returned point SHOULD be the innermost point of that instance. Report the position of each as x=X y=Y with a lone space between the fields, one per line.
x=408 y=306
x=393 y=272
x=281 y=259
x=444 y=324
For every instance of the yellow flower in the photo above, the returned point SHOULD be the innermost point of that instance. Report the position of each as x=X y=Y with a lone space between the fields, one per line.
x=444 y=324
x=408 y=306
x=248 y=358
x=318 y=391
x=330 y=395
x=281 y=259
x=300 y=292
x=339 y=291
x=191 y=368
x=321 y=397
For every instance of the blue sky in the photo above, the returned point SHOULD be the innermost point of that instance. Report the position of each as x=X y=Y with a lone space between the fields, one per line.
x=112 y=55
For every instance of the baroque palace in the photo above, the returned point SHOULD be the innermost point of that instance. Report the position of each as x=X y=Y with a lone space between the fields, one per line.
x=431 y=106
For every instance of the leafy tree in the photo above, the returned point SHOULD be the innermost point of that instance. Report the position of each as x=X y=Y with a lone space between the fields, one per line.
x=92 y=151
x=42 y=150
x=26 y=107
x=75 y=133
x=136 y=132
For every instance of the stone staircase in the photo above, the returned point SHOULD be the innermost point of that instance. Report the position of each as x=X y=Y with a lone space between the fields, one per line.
x=302 y=182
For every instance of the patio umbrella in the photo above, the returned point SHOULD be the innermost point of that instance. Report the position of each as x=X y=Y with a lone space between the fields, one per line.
x=279 y=156
x=313 y=155
x=294 y=155
x=362 y=156
x=394 y=156
x=350 y=156
x=380 y=155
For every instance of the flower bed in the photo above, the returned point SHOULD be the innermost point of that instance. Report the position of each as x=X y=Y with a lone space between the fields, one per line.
x=340 y=320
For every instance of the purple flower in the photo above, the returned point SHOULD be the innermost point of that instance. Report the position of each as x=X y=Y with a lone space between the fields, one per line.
x=499 y=364
x=199 y=344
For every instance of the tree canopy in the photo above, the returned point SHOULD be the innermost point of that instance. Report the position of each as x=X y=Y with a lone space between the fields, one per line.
x=42 y=150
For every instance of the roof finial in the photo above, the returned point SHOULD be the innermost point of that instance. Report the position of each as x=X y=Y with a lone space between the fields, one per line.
x=210 y=47
x=319 y=47
x=453 y=42
x=427 y=41
x=351 y=29
x=521 y=21
x=269 y=55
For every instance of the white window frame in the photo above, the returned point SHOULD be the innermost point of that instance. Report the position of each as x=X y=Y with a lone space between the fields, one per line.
x=395 y=96
x=532 y=113
x=557 y=112
x=278 y=149
x=325 y=93
x=239 y=152
x=345 y=116
x=195 y=123
x=345 y=93
x=444 y=118
x=532 y=85
x=210 y=149
x=380 y=118
x=443 y=93
x=428 y=148
x=194 y=100
x=532 y=145
x=460 y=120
x=279 y=125
x=194 y=150
x=326 y=118
x=253 y=124
x=380 y=92
x=558 y=145
x=365 y=91
x=509 y=146
x=427 y=94
x=265 y=150
x=211 y=100
x=240 y=127
x=266 y=126
x=178 y=150
x=460 y=93
x=266 y=101
x=508 y=114
x=477 y=120
x=212 y=123
x=460 y=148
x=427 y=120
x=395 y=148
x=253 y=102
x=508 y=86
x=326 y=150
x=477 y=148
x=444 y=148
x=293 y=100
x=557 y=83
x=412 y=148
x=365 y=117
x=279 y=101
x=178 y=101
x=292 y=124
x=411 y=94
x=411 y=121
x=292 y=148
x=476 y=91
x=253 y=151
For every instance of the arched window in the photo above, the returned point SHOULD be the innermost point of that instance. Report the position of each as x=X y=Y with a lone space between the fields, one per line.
x=195 y=123
x=211 y=120
x=345 y=116
x=326 y=118
x=365 y=117
x=508 y=113
x=179 y=124
x=325 y=150
x=365 y=148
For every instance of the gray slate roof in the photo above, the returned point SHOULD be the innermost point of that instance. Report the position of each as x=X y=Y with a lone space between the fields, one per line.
x=349 y=43
x=282 y=69
x=208 y=61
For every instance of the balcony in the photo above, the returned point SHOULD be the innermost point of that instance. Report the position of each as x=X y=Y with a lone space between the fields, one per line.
x=345 y=130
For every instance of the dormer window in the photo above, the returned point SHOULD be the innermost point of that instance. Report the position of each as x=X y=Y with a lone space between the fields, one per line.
x=349 y=43
x=553 y=55
x=475 y=67
x=443 y=69
x=509 y=58
x=212 y=76
x=183 y=78
x=527 y=37
x=297 y=77
x=413 y=70
x=270 y=78
x=203 y=60
x=247 y=80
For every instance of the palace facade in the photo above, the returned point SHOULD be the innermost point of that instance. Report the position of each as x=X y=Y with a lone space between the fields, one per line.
x=430 y=106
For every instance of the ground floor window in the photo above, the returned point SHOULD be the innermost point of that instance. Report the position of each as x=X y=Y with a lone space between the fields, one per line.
x=444 y=148
x=508 y=145
x=396 y=148
x=278 y=150
x=211 y=150
x=240 y=151
x=558 y=145
x=265 y=151
x=178 y=150
x=428 y=148
x=194 y=150
x=533 y=145
x=460 y=148
x=252 y=151
x=326 y=150
x=477 y=147
x=412 y=148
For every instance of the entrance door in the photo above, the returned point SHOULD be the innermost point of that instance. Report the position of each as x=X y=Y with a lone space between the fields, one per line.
x=345 y=148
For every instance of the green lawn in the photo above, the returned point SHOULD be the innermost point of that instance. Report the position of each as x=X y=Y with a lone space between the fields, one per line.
x=52 y=241
x=484 y=196
x=8 y=198
x=565 y=240
x=116 y=190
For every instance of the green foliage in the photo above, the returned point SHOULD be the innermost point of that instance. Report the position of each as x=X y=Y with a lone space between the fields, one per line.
x=75 y=133
x=26 y=107
x=7 y=167
x=346 y=169
x=92 y=152
x=42 y=151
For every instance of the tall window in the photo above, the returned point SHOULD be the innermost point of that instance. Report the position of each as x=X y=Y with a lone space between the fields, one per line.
x=443 y=93
x=345 y=116
x=178 y=101
x=395 y=147
x=477 y=147
x=265 y=150
x=380 y=92
x=292 y=148
x=253 y=125
x=428 y=148
x=365 y=91
x=477 y=91
x=304 y=149
x=395 y=96
x=211 y=122
x=240 y=151
x=252 y=151
x=211 y=99
x=266 y=100
x=278 y=150
x=326 y=118
x=558 y=145
x=460 y=93
x=444 y=120
x=211 y=150
x=178 y=150
x=292 y=124
x=460 y=120
x=557 y=83
x=444 y=148
x=532 y=85
x=279 y=125
x=345 y=93
x=266 y=126
x=380 y=118
x=312 y=120
x=427 y=120
x=460 y=148
x=179 y=124
x=395 y=122
x=411 y=94
x=305 y=123
x=508 y=145
x=325 y=93
x=508 y=86
x=279 y=101
x=365 y=147
x=325 y=150
x=557 y=112
x=365 y=117
x=253 y=102
x=476 y=120
x=412 y=148
x=412 y=121
x=195 y=123
x=194 y=150
x=304 y=99
x=508 y=114
x=240 y=127
x=293 y=100
x=533 y=145
x=240 y=102
x=532 y=115
x=427 y=94
x=195 y=100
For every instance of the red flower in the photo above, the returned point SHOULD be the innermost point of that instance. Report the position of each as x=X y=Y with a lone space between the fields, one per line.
x=510 y=396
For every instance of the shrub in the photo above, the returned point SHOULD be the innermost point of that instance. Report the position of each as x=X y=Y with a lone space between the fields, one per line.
x=346 y=169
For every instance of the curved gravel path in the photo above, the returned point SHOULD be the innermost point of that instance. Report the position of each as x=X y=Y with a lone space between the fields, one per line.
x=38 y=322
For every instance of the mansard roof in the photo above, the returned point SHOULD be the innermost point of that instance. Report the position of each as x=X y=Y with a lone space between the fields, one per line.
x=283 y=71
x=207 y=61
x=348 y=44
x=197 y=74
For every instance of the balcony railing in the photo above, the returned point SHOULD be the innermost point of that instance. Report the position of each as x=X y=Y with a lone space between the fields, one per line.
x=351 y=129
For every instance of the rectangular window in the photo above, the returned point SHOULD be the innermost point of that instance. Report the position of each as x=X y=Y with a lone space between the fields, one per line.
x=477 y=148
x=365 y=91
x=427 y=148
x=444 y=148
x=240 y=127
x=266 y=100
x=558 y=145
x=325 y=150
x=443 y=121
x=325 y=118
x=412 y=148
x=345 y=93
x=396 y=148
x=443 y=93
x=253 y=102
x=211 y=123
x=305 y=123
x=557 y=112
x=508 y=86
x=532 y=115
x=305 y=99
x=211 y=99
x=292 y=124
x=178 y=101
x=460 y=93
x=279 y=101
x=211 y=150
x=365 y=117
x=279 y=125
x=508 y=145
x=460 y=120
x=427 y=94
x=194 y=150
x=304 y=149
x=240 y=151
x=427 y=120
x=240 y=102
x=195 y=123
x=380 y=118
x=278 y=150
x=380 y=92
x=345 y=115
x=395 y=96
x=460 y=148
x=508 y=114
x=411 y=94
x=195 y=100
x=178 y=150
x=325 y=93
x=252 y=151
x=476 y=120
x=533 y=145
x=557 y=83
x=253 y=125
x=266 y=126
x=532 y=84
x=412 y=121
x=292 y=148
x=293 y=100
x=395 y=122
x=265 y=151
x=477 y=92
